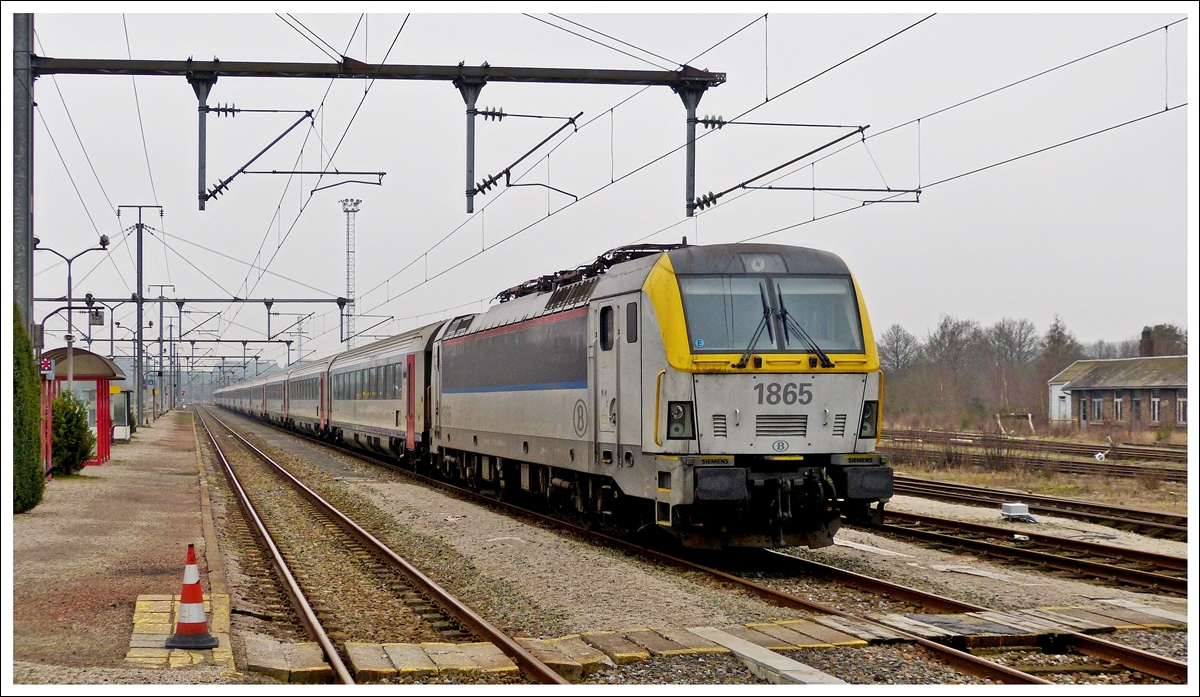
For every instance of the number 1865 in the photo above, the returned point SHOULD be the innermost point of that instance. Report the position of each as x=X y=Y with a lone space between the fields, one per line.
x=788 y=393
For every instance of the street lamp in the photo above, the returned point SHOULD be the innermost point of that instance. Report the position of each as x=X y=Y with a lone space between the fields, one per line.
x=70 y=304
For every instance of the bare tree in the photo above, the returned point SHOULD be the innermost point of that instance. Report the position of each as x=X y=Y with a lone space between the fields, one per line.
x=897 y=349
x=1015 y=341
x=951 y=344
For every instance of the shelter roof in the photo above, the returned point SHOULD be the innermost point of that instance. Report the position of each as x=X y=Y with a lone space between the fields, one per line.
x=1125 y=373
x=87 y=364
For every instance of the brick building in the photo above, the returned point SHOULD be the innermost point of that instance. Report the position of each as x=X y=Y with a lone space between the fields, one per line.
x=1146 y=392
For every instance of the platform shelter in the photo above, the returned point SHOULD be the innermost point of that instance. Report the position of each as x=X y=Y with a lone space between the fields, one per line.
x=93 y=377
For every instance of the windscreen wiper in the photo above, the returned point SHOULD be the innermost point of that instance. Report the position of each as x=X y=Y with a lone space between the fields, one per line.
x=765 y=322
x=789 y=322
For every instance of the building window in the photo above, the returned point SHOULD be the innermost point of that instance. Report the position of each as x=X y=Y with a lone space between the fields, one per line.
x=1181 y=410
x=1098 y=409
x=1064 y=411
x=1154 y=406
x=1117 y=412
x=1135 y=403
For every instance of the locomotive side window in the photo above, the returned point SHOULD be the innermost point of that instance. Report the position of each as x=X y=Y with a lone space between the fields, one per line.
x=631 y=323
x=606 y=328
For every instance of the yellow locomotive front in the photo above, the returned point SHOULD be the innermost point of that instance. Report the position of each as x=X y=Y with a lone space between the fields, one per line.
x=766 y=397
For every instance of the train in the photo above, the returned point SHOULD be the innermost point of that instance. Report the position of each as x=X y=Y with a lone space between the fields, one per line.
x=726 y=395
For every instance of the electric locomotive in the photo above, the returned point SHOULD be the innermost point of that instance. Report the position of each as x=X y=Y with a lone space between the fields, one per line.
x=728 y=395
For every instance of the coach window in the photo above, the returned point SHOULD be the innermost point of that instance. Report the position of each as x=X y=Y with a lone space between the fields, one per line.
x=631 y=318
x=606 y=328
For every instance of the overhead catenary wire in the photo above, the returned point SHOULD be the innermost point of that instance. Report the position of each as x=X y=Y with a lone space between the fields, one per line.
x=246 y=263
x=624 y=43
x=941 y=110
x=587 y=195
x=865 y=203
x=338 y=146
x=598 y=43
x=299 y=160
x=977 y=170
x=138 y=105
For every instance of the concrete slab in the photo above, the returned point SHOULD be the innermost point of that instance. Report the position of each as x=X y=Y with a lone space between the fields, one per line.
x=449 y=659
x=265 y=655
x=866 y=633
x=489 y=658
x=1161 y=613
x=756 y=637
x=655 y=643
x=307 y=665
x=1073 y=623
x=591 y=659
x=828 y=633
x=621 y=650
x=1024 y=623
x=148 y=641
x=409 y=660
x=907 y=624
x=694 y=642
x=148 y=657
x=967 y=624
x=767 y=664
x=557 y=659
x=1123 y=616
x=789 y=636
x=1113 y=622
x=368 y=662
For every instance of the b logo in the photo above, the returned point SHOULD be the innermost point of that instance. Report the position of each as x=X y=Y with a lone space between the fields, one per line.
x=580 y=418
x=779 y=446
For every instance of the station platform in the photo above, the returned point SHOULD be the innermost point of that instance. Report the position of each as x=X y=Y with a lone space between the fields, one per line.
x=101 y=539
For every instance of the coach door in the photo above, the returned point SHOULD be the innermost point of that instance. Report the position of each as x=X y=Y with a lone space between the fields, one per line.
x=629 y=371
x=607 y=380
x=410 y=401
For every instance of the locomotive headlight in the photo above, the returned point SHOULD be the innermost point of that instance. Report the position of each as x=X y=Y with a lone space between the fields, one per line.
x=680 y=424
x=870 y=420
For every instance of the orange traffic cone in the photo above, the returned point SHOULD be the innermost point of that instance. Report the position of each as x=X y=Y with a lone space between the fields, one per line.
x=191 y=627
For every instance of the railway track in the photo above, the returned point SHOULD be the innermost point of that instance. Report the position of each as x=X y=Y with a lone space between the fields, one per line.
x=1132 y=658
x=1152 y=523
x=1122 y=451
x=957 y=454
x=414 y=598
x=964 y=661
x=1115 y=565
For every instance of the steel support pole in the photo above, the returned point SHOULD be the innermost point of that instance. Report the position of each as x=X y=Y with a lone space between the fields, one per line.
x=202 y=83
x=691 y=99
x=70 y=332
x=470 y=89
x=158 y=386
x=23 y=166
x=141 y=352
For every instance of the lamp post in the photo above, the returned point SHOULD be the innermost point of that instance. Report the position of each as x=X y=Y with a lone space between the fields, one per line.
x=138 y=367
x=70 y=304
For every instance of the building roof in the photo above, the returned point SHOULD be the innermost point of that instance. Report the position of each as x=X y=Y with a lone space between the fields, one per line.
x=87 y=364
x=1124 y=373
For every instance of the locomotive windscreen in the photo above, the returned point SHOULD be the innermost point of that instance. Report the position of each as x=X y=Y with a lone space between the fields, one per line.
x=723 y=312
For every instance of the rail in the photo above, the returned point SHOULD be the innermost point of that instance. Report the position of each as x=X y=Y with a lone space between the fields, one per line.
x=536 y=669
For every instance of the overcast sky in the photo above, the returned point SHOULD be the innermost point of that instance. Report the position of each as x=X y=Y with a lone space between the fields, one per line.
x=1095 y=231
